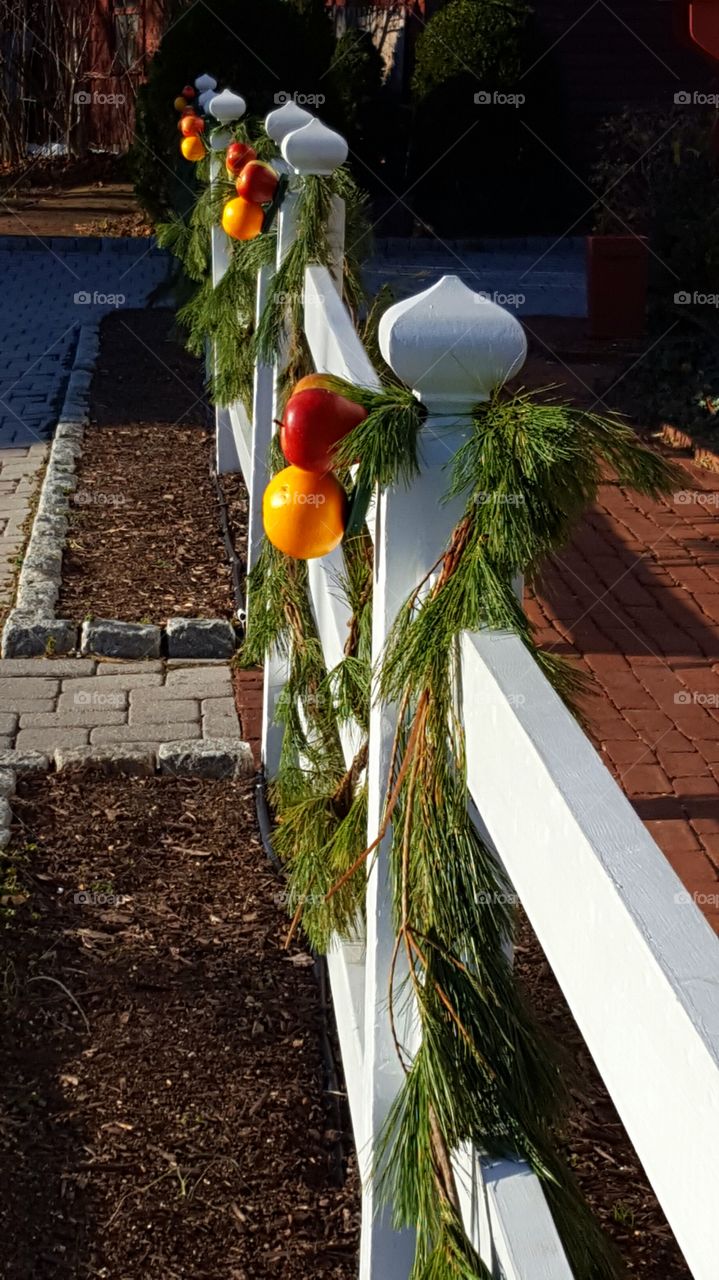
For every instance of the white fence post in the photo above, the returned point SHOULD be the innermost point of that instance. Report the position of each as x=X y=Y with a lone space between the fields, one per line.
x=453 y=347
x=264 y=401
x=318 y=151
x=226 y=107
x=226 y=455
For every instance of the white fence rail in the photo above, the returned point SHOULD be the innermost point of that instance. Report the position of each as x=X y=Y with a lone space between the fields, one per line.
x=638 y=964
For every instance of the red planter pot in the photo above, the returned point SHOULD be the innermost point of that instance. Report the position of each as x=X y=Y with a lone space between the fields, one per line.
x=617 y=278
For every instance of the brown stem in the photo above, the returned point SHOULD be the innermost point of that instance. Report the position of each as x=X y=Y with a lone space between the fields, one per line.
x=391 y=806
x=444 y=999
x=444 y=1172
x=343 y=796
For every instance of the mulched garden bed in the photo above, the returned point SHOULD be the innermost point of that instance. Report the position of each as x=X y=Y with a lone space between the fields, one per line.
x=145 y=541
x=163 y=1110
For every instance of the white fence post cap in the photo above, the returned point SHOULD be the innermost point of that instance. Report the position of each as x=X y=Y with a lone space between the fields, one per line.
x=315 y=149
x=285 y=119
x=452 y=346
x=203 y=83
x=227 y=106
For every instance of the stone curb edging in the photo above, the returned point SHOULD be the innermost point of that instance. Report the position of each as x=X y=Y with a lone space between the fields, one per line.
x=8 y=779
x=223 y=758
x=31 y=628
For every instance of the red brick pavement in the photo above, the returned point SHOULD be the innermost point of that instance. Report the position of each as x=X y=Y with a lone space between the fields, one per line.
x=635 y=600
x=248 y=697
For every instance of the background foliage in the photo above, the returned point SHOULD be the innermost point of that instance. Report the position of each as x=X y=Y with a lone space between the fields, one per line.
x=253 y=61
x=661 y=171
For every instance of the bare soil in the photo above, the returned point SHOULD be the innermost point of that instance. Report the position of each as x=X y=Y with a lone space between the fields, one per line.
x=90 y=197
x=162 y=1112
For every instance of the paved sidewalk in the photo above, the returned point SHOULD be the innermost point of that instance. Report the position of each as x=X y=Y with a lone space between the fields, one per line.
x=19 y=481
x=636 y=599
x=50 y=288
x=48 y=704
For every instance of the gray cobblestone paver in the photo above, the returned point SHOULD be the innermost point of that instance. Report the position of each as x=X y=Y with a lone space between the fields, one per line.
x=179 y=710
x=148 y=734
x=50 y=739
x=17 y=490
x=65 y=707
x=55 y=291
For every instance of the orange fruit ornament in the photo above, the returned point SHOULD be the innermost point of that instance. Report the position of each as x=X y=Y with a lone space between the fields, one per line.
x=304 y=515
x=190 y=124
x=192 y=148
x=241 y=219
x=180 y=104
x=314 y=382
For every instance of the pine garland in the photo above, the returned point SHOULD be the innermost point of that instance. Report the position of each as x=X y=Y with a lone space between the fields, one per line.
x=483 y=1074
x=321 y=803
x=281 y=327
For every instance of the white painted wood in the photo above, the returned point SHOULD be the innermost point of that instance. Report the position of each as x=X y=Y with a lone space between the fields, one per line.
x=220 y=139
x=336 y=238
x=262 y=432
x=524 y=1238
x=405 y=550
x=285 y=119
x=227 y=106
x=637 y=962
x=330 y=333
x=275 y=667
x=241 y=430
x=449 y=343
x=336 y=349
x=227 y=453
x=346 y=967
x=313 y=148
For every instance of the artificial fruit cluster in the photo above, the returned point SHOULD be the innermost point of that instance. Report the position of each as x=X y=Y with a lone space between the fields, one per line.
x=304 y=507
x=256 y=184
x=190 y=125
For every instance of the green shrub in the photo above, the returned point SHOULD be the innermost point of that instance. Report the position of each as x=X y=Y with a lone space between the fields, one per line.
x=363 y=111
x=472 y=161
x=478 y=36
x=257 y=49
x=659 y=172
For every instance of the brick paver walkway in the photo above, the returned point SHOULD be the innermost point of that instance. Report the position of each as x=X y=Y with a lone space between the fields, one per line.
x=50 y=288
x=46 y=703
x=636 y=599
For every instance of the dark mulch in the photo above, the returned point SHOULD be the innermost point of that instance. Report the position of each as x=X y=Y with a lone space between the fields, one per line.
x=594 y=1141
x=237 y=502
x=145 y=542
x=163 y=1112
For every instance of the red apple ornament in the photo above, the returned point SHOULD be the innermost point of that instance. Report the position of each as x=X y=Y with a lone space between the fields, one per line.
x=237 y=155
x=257 y=182
x=313 y=424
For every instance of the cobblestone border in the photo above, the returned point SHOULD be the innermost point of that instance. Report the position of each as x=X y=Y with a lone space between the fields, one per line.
x=32 y=629
x=8 y=779
x=196 y=758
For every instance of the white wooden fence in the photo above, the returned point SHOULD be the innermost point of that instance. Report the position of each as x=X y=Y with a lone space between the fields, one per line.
x=636 y=961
